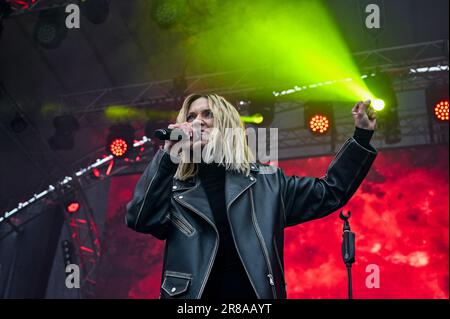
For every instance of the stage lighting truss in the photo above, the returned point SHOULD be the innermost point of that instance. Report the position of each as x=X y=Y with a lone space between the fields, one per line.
x=83 y=246
x=79 y=217
x=50 y=29
x=68 y=180
x=68 y=252
x=300 y=88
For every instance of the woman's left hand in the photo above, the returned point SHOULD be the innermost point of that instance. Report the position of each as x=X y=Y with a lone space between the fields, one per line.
x=364 y=115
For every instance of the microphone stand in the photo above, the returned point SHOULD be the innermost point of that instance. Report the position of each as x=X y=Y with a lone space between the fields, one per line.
x=348 y=249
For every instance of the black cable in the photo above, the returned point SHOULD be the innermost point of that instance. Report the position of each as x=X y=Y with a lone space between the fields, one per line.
x=349 y=277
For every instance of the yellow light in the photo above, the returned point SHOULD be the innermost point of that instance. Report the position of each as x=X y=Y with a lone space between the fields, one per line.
x=378 y=104
x=319 y=123
x=255 y=118
x=258 y=118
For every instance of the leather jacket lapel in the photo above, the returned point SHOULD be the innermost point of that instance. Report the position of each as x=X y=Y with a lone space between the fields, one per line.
x=194 y=196
x=235 y=185
x=195 y=199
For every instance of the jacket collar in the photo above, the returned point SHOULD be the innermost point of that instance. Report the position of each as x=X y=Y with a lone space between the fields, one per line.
x=191 y=193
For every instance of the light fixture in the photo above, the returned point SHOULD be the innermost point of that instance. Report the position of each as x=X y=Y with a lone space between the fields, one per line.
x=50 y=29
x=120 y=139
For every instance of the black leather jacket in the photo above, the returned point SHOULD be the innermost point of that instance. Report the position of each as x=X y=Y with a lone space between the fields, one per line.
x=259 y=207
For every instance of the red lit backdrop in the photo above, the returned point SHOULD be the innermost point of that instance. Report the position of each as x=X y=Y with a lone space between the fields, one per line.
x=399 y=214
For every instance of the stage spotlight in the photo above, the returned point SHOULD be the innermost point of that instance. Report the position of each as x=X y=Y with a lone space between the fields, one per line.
x=437 y=102
x=441 y=110
x=96 y=11
x=318 y=117
x=120 y=139
x=71 y=205
x=167 y=13
x=50 y=29
x=95 y=173
x=319 y=124
x=386 y=104
x=261 y=107
x=119 y=147
x=378 y=104
x=253 y=119
x=65 y=127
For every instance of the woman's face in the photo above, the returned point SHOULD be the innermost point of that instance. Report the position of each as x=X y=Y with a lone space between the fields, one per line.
x=200 y=115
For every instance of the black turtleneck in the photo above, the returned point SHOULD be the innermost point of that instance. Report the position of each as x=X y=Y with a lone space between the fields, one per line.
x=228 y=278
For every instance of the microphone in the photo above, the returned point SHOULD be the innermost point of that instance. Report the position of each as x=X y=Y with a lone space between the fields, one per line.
x=164 y=134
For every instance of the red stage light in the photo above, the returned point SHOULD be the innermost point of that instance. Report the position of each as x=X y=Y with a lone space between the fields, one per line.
x=319 y=124
x=441 y=110
x=118 y=147
x=22 y=4
x=119 y=141
x=96 y=172
x=72 y=207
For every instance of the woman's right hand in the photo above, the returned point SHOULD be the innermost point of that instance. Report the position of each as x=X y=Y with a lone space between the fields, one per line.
x=185 y=127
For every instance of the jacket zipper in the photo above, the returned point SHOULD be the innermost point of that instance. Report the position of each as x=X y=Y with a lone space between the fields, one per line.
x=234 y=241
x=279 y=262
x=215 y=247
x=265 y=252
x=181 y=224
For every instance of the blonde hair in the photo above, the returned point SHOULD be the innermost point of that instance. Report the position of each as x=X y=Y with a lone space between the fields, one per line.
x=227 y=147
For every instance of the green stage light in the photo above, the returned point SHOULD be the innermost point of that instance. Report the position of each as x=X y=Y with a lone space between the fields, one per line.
x=290 y=39
x=127 y=113
x=254 y=119
x=378 y=104
x=298 y=39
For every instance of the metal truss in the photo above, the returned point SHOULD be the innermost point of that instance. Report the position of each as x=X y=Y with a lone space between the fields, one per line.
x=81 y=226
x=403 y=61
x=397 y=60
x=161 y=94
x=68 y=183
x=410 y=126
x=404 y=57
